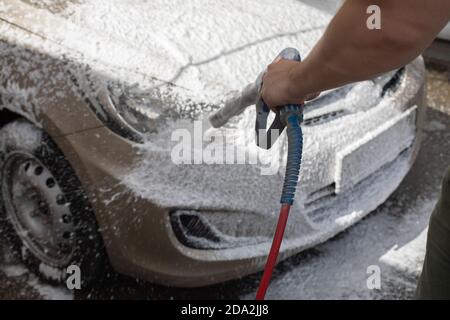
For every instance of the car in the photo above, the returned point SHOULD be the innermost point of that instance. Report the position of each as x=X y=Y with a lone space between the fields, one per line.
x=95 y=97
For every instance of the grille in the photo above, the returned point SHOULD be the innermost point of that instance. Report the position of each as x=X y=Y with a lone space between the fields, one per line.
x=319 y=202
x=323 y=118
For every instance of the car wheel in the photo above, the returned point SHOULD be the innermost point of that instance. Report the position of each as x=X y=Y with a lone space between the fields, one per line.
x=46 y=218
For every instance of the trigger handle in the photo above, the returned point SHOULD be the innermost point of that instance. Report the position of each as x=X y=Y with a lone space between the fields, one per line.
x=266 y=138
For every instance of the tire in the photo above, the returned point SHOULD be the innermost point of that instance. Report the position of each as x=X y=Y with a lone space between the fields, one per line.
x=46 y=218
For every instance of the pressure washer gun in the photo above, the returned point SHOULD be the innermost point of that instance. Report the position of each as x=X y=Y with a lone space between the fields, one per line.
x=290 y=117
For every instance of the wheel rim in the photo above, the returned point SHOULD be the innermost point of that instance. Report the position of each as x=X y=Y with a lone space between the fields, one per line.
x=37 y=209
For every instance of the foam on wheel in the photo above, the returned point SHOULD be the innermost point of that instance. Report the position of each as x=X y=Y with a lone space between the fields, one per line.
x=46 y=217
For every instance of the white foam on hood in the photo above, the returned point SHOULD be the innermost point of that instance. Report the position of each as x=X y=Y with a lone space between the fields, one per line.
x=207 y=46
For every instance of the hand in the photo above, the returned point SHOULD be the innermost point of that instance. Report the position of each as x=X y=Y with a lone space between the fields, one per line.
x=278 y=89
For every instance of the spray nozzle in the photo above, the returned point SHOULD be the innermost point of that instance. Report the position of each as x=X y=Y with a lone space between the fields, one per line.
x=265 y=138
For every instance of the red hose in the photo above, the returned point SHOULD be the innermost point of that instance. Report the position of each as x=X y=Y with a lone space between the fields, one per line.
x=273 y=255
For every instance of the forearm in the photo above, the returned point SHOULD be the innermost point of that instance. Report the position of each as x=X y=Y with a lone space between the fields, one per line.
x=349 y=51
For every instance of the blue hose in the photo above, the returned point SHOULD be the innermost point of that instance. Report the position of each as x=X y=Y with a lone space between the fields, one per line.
x=292 y=116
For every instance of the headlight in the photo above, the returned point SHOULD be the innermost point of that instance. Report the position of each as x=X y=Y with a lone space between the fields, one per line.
x=350 y=99
x=132 y=111
x=126 y=109
x=138 y=109
x=129 y=111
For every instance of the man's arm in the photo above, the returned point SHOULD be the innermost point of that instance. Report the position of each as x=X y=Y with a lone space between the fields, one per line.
x=349 y=51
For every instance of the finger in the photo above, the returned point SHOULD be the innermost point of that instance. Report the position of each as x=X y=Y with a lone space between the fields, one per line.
x=263 y=95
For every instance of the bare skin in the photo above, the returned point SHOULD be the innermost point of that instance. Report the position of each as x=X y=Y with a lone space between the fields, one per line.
x=349 y=51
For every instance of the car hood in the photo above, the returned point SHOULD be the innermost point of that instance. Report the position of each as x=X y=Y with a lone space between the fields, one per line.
x=184 y=55
x=206 y=46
